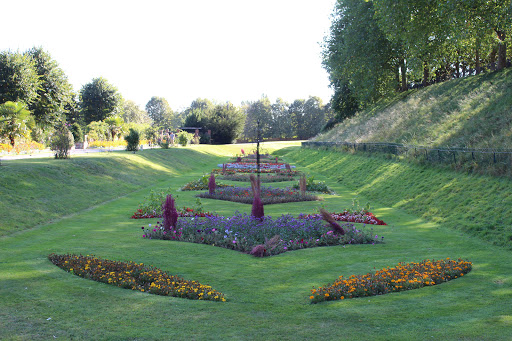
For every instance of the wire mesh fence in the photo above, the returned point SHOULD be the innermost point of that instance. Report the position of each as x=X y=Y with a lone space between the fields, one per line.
x=500 y=159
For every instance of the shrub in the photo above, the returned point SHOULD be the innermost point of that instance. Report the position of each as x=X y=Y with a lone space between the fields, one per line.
x=62 y=141
x=132 y=140
x=183 y=138
x=202 y=184
x=135 y=276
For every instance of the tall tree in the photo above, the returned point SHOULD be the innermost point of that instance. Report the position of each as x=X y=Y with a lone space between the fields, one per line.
x=160 y=112
x=18 y=78
x=281 y=120
x=99 y=100
x=226 y=123
x=131 y=113
x=358 y=54
x=261 y=111
x=54 y=91
x=308 y=117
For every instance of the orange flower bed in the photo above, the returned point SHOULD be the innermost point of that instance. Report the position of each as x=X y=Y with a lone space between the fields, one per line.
x=402 y=277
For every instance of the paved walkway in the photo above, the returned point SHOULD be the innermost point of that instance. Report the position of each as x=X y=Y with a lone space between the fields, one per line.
x=48 y=153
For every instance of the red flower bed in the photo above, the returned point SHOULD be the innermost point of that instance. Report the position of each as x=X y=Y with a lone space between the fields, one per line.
x=363 y=217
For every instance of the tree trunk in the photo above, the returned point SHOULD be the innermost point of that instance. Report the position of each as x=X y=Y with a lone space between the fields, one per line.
x=426 y=74
x=477 y=56
x=502 y=50
x=404 y=75
x=397 y=78
x=492 y=57
x=457 y=65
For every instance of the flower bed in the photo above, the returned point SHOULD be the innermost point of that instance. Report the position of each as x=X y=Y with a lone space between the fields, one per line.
x=254 y=171
x=264 y=177
x=135 y=276
x=402 y=277
x=362 y=216
x=242 y=232
x=253 y=165
x=269 y=195
x=315 y=186
x=201 y=184
x=184 y=212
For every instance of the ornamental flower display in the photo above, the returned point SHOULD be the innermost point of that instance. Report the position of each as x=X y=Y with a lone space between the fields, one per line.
x=362 y=216
x=268 y=195
x=402 y=277
x=243 y=232
x=134 y=276
x=252 y=165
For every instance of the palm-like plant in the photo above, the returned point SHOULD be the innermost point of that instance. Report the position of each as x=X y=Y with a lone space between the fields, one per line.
x=15 y=121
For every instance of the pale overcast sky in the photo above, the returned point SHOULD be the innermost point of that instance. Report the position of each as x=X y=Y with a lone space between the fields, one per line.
x=223 y=50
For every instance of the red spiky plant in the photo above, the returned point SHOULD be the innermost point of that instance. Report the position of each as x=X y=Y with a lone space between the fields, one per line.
x=169 y=213
x=328 y=218
x=257 y=206
x=303 y=185
x=211 y=184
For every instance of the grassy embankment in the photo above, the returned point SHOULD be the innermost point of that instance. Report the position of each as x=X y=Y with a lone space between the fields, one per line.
x=473 y=112
x=267 y=298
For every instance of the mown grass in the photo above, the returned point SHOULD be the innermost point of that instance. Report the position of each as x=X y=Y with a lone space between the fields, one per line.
x=267 y=297
x=472 y=112
x=478 y=204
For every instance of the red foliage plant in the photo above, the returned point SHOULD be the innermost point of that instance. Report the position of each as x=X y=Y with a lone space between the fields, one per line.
x=328 y=218
x=211 y=184
x=169 y=213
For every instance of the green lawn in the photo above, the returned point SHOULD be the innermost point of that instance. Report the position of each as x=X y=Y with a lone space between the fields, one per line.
x=267 y=297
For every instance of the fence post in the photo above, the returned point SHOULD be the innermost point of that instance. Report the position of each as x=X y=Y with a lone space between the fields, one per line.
x=454 y=158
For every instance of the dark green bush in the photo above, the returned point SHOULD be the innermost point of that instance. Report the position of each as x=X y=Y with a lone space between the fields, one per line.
x=132 y=140
x=62 y=141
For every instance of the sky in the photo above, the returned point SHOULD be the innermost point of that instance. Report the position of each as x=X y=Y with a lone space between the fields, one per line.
x=222 y=50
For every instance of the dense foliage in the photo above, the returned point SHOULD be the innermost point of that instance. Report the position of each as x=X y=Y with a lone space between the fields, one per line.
x=377 y=47
x=98 y=100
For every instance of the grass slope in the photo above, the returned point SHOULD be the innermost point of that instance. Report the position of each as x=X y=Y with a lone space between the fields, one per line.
x=268 y=298
x=35 y=191
x=468 y=112
x=478 y=204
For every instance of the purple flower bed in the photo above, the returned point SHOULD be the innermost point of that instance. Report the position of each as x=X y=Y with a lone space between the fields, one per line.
x=269 y=195
x=242 y=232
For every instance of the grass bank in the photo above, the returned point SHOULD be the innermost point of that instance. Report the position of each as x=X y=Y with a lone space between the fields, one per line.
x=37 y=191
x=472 y=112
x=477 y=204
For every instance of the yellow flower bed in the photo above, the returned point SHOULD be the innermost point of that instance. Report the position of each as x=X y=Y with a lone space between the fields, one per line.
x=402 y=277
x=112 y=144
x=25 y=147
x=135 y=276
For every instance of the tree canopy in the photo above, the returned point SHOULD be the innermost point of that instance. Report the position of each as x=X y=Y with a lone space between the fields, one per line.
x=98 y=100
x=160 y=112
x=19 y=80
x=54 y=92
x=376 y=47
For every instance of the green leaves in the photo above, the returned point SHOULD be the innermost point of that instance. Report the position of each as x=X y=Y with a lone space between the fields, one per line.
x=15 y=121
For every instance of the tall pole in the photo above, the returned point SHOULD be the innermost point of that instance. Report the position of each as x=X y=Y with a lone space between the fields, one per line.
x=258 y=149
